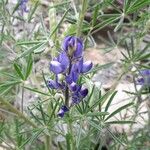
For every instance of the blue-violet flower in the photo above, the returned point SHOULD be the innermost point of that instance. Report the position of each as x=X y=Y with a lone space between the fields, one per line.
x=145 y=78
x=23 y=6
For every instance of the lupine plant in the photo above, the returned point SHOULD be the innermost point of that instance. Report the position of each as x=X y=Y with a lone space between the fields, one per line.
x=50 y=95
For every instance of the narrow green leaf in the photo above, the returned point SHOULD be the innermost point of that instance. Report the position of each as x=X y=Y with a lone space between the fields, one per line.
x=120 y=122
x=29 y=42
x=128 y=49
x=115 y=137
x=9 y=83
x=37 y=91
x=6 y=74
x=42 y=113
x=95 y=15
x=89 y=98
x=19 y=71
x=100 y=67
x=91 y=114
x=60 y=22
x=29 y=66
x=32 y=11
x=16 y=8
x=136 y=5
x=119 y=23
x=59 y=4
x=93 y=124
x=34 y=117
x=118 y=110
x=32 y=138
x=110 y=100
x=53 y=111
x=104 y=23
x=5 y=90
x=144 y=56
x=37 y=47
x=132 y=46
x=100 y=101
x=124 y=55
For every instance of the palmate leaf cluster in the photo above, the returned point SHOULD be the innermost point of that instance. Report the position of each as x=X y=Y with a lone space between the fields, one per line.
x=26 y=40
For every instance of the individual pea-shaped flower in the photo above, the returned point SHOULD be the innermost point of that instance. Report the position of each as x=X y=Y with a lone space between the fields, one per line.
x=79 y=94
x=73 y=46
x=84 y=67
x=79 y=68
x=62 y=111
x=54 y=84
x=59 y=64
x=23 y=6
x=145 y=78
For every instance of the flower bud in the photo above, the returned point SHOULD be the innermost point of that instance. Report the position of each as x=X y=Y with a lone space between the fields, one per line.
x=73 y=46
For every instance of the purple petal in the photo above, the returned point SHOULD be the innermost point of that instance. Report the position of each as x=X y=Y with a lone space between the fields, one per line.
x=75 y=100
x=68 y=79
x=73 y=86
x=65 y=43
x=83 y=92
x=145 y=72
x=79 y=65
x=56 y=67
x=73 y=46
x=79 y=49
x=64 y=60
x=62 y=111
x=23 y=5
x=86 y=66
x=140 y=81
x=74 y=76
x=53 y=84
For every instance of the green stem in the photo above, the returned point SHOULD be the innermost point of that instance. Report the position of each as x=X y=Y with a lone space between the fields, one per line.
x=67 y=96
x=22 y=100
x=47 y=142
x=73 y=146
x=81 y=17
x=17 y=112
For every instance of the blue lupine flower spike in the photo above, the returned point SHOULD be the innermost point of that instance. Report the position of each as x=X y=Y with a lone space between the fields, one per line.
x=71 y=66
